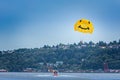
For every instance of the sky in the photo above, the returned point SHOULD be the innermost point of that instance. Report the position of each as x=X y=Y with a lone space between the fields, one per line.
x=35 y=23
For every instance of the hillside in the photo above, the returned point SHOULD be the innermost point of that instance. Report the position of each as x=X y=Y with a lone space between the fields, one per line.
x=63 y=57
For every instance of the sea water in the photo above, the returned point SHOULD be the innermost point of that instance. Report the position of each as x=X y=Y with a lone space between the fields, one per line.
x=61 y=76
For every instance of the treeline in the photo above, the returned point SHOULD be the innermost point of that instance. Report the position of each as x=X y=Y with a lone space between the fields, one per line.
x=77 y=56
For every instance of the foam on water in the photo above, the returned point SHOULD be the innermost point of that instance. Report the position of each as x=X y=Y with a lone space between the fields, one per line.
x=43 y=75
x=67 y=76
x=55 y=76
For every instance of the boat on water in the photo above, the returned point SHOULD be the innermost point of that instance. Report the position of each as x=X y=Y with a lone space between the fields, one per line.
x=55 y=73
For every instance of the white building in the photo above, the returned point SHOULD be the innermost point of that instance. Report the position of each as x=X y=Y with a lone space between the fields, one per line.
x=59 y=62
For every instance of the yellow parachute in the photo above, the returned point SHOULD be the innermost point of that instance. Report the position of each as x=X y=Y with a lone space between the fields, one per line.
x=84 y=26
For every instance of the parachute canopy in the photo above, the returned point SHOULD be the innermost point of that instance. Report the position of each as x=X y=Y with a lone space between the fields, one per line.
x=84 y=26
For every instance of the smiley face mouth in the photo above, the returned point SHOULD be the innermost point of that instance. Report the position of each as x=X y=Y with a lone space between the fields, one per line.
x=83 y=28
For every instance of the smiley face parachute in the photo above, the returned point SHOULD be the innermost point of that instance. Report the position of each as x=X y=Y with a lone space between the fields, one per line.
x=84 y=26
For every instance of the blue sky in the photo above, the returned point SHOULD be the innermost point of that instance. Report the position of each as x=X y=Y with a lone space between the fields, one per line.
x=34 y=23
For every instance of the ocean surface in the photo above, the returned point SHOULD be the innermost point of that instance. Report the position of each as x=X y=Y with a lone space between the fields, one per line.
x=61 y=76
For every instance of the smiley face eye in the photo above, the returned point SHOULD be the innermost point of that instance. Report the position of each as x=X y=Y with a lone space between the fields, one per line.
x=80 y=20
x=88 y=22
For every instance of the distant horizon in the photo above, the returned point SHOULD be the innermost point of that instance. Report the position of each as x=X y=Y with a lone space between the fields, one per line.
x=56 y=45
